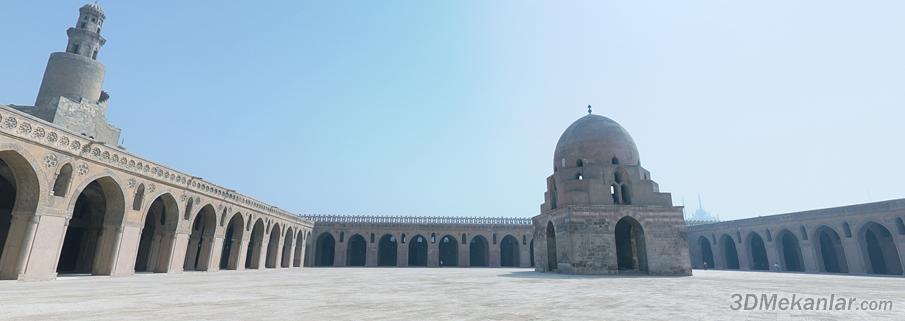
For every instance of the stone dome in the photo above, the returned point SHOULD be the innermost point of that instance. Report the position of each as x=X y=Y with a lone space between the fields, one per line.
x=595 y=139
x=93 y=6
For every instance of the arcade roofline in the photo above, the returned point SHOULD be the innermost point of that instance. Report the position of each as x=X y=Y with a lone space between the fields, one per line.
x=824 y=213
x=19 y=124
x=452 y=220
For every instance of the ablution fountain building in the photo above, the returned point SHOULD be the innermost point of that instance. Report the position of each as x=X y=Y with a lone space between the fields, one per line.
x=73 y=201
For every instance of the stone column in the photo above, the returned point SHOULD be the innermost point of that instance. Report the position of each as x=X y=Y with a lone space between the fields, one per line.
x=744 y=256
x=278 y=253
x=289 y=256
x=900 y=247
x=402 y=252
x=243 y=251
x=180 y=251
x=464 y=254
x=340 y=253
x=719 y=256
x=433 y=252
x=809 y=257
x=773 y=254
x=126 y=251
x=215 y=253
x=279 y=263
x=371 y=256
x=494 y=253
x=853 y=256
x=33 y=233
x=304 y=251
x=262 y=254
x=524 y=255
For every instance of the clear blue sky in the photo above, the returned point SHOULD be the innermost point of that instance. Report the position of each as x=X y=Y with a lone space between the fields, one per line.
x=454 y=107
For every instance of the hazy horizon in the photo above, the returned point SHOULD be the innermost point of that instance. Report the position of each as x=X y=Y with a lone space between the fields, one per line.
x=454 y=108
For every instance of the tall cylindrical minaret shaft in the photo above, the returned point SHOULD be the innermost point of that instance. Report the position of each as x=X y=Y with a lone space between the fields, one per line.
x=76 y=74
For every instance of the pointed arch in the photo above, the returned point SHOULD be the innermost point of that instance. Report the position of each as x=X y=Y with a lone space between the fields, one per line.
x=95 y=214
x=879 y=249
x=324 y=250
x=64 y=178
x=201 y=241
x=139 y=197
x=386 y=250
x=189 y=207
x=449 y=251
x=478 y=251
x=299 y=248
x=287 y=248
x=417 y=251
x=830 y=254
x=232 y=243
x=706 y=252
x=158 y=236
x=631 y=251
x=273 y=247
x=730 y=253
x=757 y=252
x=509 y=252
x=255 y=245
x=551 y=247
x=20 y=191
x=790 y=251
x=356 y=251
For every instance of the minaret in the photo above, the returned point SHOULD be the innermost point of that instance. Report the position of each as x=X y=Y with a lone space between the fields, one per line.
x=70 y=93
x=76 y=74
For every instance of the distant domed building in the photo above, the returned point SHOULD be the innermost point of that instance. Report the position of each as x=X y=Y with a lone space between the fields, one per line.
x=700 y=216
x=602 y=214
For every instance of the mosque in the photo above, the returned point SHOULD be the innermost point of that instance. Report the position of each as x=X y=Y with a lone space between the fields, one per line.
x=74 y=201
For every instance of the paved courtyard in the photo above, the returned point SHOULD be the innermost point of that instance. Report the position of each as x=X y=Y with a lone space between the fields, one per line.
x=419 y=293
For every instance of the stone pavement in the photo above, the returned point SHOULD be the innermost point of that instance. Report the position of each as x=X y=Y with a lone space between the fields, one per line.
x=431 y=293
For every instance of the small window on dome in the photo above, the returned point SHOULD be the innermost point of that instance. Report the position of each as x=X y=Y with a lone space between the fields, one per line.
x=563 y=162
x=615 y=161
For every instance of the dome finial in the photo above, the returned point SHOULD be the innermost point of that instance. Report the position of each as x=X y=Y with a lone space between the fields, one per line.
x=589 y=109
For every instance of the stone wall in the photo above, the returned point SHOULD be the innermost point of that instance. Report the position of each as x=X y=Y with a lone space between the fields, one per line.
x=52 y=173
x=585 y=240
x=855 y=239
x=463 y=230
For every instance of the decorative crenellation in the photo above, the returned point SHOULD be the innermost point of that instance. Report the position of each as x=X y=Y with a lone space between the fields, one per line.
x=28 y=127
x=376 y=219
